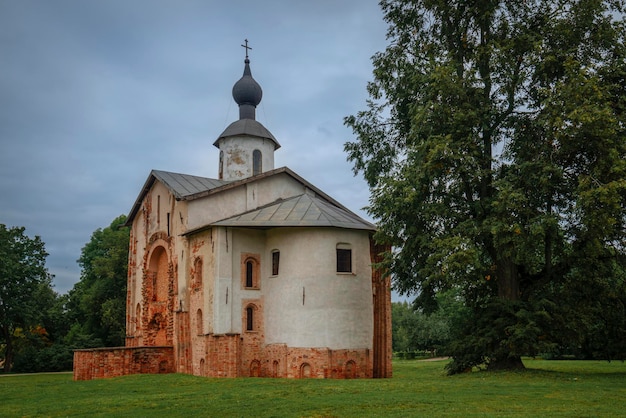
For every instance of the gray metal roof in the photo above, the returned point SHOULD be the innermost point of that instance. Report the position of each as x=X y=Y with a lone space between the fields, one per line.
x=183 y=185
x=313 y=208
x=303 y=210
x=247 y=127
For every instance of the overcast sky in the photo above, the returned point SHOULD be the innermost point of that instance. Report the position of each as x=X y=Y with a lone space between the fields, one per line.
x=95 y=94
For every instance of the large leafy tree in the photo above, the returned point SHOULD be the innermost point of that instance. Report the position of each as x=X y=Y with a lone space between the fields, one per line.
x=97 y=303
x=494 y=147
x=23 y=279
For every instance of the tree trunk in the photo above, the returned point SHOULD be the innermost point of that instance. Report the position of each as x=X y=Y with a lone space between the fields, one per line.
x=508 y=363
x=508 y=290
x=508 y=279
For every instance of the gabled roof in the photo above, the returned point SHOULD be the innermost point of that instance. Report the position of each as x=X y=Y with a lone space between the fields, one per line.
x=313 y=208
x=181 y=186
x=304 y=210
x=185 y=185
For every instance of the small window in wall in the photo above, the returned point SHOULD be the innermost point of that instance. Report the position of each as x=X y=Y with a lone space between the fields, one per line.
x=250 y=318
x=257 y=165
x=196 y=276
x=344 y=258
x=275 y=262
x=250 y=271
x=199 y=324
x=136 y=326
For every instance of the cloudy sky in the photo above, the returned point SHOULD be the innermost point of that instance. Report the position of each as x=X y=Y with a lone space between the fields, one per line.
x=95 y=94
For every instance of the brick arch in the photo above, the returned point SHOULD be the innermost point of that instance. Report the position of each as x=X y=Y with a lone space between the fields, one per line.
x=305 y=371
x=158 y=274
x=137 y=320
x=199 y=322
x=196 y=274
x=275 y=368
x=157 y=293
x=350 y=370
x=255 y=368
x=251 y=319
x=202 y=370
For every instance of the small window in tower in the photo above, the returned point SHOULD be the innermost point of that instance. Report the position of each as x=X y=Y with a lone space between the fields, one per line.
x=250 y=318
x=221 y=166
x=344 y=258
x=257 y=166
x=275 y=262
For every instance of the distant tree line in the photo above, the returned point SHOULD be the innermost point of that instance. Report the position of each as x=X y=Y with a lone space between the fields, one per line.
x=39 y=328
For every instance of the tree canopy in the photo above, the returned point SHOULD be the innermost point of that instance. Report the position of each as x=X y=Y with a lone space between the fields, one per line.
x=493 y=144
x=97 y=303
x=24 y=279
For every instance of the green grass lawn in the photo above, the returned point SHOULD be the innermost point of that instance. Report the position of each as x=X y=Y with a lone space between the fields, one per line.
x=546 y=389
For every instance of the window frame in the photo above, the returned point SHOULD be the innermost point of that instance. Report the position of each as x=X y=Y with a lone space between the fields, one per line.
x=343 y=257
x=257 y=162
x=253 y=260
x=250 y=318
x=275 y=254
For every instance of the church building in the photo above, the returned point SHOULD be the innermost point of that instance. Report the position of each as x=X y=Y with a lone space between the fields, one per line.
x=254 y=273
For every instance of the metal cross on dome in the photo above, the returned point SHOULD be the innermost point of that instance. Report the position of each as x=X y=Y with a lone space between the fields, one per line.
x=247 y=47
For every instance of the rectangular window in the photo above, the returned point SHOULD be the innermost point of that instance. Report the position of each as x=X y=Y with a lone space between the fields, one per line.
x=344 y=260
x=275 y=262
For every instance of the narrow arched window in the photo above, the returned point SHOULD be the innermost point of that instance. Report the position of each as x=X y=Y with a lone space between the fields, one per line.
x=221 y=166
x=257 y=165
x=199 y=324
x=249 y=273
x=250 y=318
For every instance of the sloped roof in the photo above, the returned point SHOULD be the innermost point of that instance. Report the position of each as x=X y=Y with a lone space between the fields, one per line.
x=304 y=210
x=313 y=208
x=184 y=185
x=247 y=127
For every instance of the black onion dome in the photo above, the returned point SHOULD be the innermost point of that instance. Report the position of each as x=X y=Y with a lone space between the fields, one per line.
x=247 y=91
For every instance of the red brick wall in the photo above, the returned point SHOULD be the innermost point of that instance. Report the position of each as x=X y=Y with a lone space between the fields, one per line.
x=111 y=362
x=381 y=289
x=223 y=353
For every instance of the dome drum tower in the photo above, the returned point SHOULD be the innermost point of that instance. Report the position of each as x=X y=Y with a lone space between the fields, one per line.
x=246 y=146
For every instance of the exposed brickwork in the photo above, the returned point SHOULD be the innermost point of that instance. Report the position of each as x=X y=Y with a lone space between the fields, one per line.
x=381 y=289
x=183 y=345
x=158 y=292
x=223 y=353
x=253 y=341
x=111 y=362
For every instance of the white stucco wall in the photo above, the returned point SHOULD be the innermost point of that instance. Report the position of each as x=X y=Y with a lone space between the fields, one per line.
x=250 y=196
x=237 y=156
x=336 y=311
